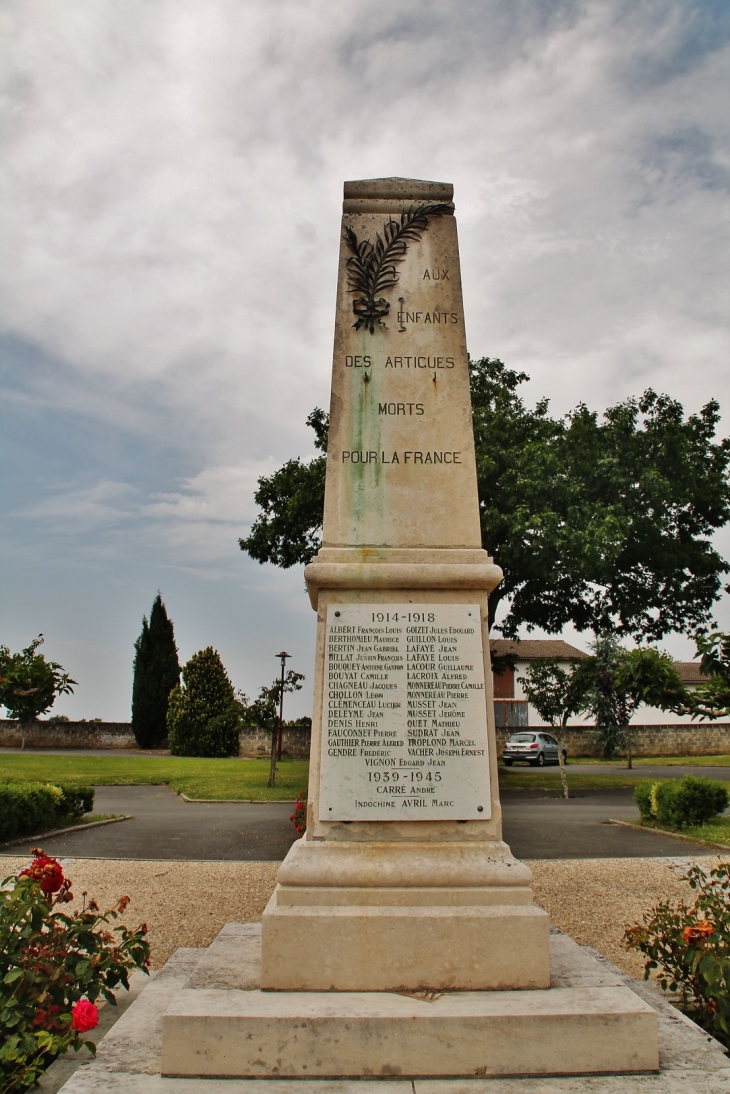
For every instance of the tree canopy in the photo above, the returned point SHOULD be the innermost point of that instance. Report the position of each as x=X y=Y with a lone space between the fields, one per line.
x=29 y=684
x=602 y=522
x=712 y=699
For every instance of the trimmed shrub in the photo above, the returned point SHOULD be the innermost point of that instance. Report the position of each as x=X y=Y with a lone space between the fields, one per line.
x=645 y=798
x=77 y=800
x=29 y=808
x=203 y=717
x=681 y=803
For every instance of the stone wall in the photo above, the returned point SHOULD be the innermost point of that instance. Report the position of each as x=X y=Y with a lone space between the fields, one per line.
x=294 y=743
x=45 y=734
x=699 y=739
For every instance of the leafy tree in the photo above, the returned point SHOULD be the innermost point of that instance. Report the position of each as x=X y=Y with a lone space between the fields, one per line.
x=289 y=530
x=204 y=717
x=29 y=684
x=556 y=695
x=620 y=681
x=264 y=711
x=156 y=673
x=611 y=685
x=712 y=700
x=641 y=493
x=601 y=523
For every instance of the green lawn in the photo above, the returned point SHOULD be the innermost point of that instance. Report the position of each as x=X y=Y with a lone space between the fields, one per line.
x=226 y=779
x=716 y=830
x=218 y=779
x=651 y=761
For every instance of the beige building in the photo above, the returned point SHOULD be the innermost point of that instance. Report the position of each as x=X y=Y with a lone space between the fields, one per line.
x=511 y=708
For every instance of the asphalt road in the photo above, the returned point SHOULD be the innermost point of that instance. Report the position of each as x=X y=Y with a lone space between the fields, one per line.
x=540 y=827
x=642 y=771
x=165 y=827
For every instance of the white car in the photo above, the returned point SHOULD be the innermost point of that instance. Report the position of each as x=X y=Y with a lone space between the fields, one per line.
x=536 y=749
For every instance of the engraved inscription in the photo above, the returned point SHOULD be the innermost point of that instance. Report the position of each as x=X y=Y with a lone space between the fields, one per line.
x=400 y=408
x=407 y=457
x=419 y=362
x=404 y=729
x=433 y=317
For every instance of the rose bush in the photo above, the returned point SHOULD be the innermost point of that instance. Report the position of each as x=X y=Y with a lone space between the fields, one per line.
x=54 y=964
x=689 y=945
x=299 y=816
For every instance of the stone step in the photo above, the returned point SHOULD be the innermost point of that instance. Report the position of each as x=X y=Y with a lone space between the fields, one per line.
x=221 y=1025
x=583 y=1030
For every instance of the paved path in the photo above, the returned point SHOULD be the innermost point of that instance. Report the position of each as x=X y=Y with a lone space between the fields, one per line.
x=166 y=827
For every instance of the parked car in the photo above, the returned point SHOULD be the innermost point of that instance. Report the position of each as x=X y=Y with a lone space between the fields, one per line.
x=536 y=749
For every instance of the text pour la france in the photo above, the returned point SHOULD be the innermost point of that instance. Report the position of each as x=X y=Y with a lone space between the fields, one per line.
x=403 y=457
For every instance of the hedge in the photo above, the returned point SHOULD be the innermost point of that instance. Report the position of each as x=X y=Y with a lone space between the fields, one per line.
x=681 y=803
x=29 y=808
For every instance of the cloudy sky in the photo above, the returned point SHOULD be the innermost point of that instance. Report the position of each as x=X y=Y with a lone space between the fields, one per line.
x=171 y=188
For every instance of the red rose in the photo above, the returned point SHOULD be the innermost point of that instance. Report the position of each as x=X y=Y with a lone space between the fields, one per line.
x=47 y=871
x=84 y=1016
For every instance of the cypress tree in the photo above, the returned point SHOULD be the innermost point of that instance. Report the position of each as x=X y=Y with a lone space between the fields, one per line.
x=156 y=673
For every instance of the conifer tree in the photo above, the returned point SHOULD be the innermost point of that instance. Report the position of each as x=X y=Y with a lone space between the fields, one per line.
x=156 y=673
x=204 y=716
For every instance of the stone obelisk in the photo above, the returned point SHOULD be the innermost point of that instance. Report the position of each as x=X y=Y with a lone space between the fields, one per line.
x=400 y=921
x=402 y=881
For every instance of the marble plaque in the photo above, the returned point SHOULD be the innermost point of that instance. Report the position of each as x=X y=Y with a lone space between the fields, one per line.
x=404 y=726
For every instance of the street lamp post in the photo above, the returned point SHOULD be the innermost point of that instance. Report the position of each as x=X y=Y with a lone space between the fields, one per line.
x=276 y=737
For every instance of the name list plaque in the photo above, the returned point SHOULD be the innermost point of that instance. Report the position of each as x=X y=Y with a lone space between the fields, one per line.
x=404 y=723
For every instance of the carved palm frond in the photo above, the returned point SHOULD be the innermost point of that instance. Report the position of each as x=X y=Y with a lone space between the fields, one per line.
x=371 y=268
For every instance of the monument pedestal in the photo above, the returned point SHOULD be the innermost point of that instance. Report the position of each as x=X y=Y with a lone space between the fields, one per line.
x=403 y=917
x=587 y=1023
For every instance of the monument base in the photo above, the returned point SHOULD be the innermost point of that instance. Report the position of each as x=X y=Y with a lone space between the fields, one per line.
x=373 y=916
x=223 y=1025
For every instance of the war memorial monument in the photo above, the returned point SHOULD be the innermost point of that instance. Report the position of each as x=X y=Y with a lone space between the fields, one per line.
x=402 y=938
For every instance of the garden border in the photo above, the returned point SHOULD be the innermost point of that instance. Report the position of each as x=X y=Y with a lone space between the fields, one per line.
x=670 y=832
x=71 y=828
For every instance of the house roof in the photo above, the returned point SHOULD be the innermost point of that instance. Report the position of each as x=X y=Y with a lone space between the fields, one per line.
x=689 y=672
x=532 y=649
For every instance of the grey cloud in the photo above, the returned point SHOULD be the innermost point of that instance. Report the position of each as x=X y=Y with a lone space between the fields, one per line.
x=171 y=184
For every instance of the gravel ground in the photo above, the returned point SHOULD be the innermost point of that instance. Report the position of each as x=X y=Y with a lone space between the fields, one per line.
x=187 y=903
x=182 y=903
x=594 y=900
